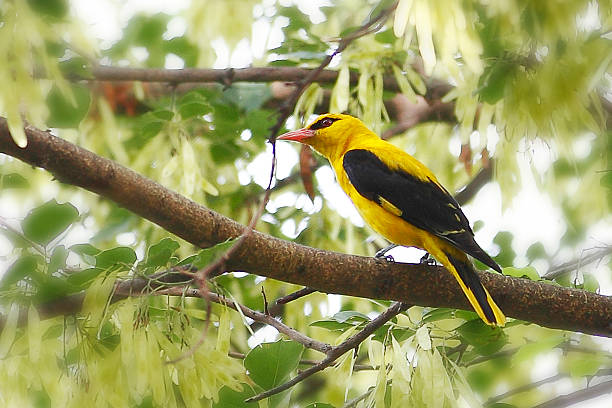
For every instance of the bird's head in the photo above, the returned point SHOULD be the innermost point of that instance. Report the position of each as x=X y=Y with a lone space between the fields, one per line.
x=330 y=134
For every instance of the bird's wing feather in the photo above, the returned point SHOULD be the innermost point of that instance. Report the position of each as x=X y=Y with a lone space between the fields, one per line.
x=422 y=202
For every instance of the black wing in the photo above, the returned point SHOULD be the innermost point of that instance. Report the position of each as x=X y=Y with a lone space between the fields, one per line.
x=424 y=204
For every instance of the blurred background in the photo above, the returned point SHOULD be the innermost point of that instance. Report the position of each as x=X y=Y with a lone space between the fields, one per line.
x=507 y=102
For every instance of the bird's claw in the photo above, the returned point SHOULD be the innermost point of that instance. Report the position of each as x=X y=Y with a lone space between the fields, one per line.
x=427 y=259
x=385 y=259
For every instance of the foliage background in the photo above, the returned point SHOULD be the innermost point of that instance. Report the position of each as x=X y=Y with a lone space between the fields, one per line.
x=529 y=85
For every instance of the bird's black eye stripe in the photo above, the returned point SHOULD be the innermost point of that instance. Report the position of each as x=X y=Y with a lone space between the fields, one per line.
x=323 y=123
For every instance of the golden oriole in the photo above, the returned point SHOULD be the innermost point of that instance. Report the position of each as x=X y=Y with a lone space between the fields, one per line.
x=402 y=200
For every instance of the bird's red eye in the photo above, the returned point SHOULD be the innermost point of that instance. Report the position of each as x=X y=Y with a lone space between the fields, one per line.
x=323 y=123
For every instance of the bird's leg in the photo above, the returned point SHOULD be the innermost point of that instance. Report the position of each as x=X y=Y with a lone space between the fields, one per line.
x=381 y=254
x=427 y=259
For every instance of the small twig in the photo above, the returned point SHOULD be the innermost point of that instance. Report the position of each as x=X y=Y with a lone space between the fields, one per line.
x=483 y=177
x=337 y=351
x=575 y=264
x=265 y=300
x=577 y=396
x=566 y=346
x=524 y=388
x=295 y=295
x=353 y=403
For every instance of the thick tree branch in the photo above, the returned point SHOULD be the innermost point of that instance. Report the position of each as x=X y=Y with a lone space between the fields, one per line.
x=325 y=271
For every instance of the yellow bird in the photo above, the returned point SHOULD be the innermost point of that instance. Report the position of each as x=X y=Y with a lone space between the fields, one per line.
x=401 y=200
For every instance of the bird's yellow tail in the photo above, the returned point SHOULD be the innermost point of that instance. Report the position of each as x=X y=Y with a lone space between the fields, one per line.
x=479 y=297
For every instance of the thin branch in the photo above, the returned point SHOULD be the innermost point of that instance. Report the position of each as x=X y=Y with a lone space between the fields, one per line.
x=337 y=351
x=524 y=388
x=225 y=76
x=353 y=403
x=566 y=346
x=484 y=176
x=536 y=384
x=295 y=295
x=576 y=264
x=577 y=396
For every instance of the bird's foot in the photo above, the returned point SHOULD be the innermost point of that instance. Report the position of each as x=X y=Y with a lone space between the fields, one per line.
x=386 y=258
x=427 y=259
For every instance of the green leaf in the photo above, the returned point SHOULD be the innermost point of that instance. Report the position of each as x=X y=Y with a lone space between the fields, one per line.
x=606 y=180
x=122 y=257
x=50 y=8
x=319 y=405
x=57 y=260
x=536 y=251
x=208 y=255
x=84 y=249
x=385 y=37
x=259 y=122
x=248 y=96
x=87 y=252
x=229 y=398
x=76 y=67
x=160 y=253
x=493 y=81
x=81 y=279
x=486 y=340
x=530 y=350
x=331 y=325
x=590 y=283
x=270 y=364
x=52 y=288
x=63 y=113
x=53 y=332
x=438 y=314
x=528 y=272
x=14 y=180
x=585 y=365
x=22 y=267
x=191 y=109
x=46 y=222
x=163 y=114
x=183 y=48
x=350 y=316
x=506 y=253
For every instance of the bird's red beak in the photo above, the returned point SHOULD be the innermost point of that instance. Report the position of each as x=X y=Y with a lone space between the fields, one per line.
x=297 y=135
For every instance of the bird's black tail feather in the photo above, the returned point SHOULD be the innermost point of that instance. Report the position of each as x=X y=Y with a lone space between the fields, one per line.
x=478 y=296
